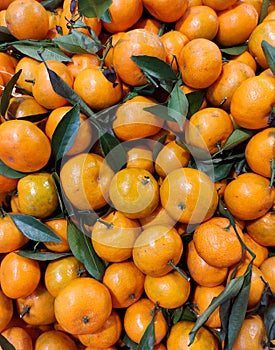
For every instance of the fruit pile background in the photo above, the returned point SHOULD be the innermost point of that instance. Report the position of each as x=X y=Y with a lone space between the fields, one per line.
x=137 y=166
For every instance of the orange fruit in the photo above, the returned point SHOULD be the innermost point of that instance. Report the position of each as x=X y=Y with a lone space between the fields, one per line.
x=134 y=192
x=60 y=272
x=188 y=195
x=37 y=195
x=259 y=250
x=59 y=227
x=137 y=318
x=209 y=129
x=217 y=243
x=6 y=305
x=7 y=66
x=10 y=237
x=159 y=216
x=148 y=23
x=114 y=235
x=148 y=252
x=201 y=272
x=133 y=122
x=259 y=151
x=251 y=189
x=42 y=88
x=7 y=184
x=74 y=310
x=84 y=134
x=261 y=229
x=252 y=334
x=106 y=336
x=202 y=298
x=220 y=93
x=172 y=156
x=200 y=62
x=236 y=24
x=263 y=31
x=4 y=4
x=27 y=76
x=37 y=308
x=20 y=141
x=173 y=42
x=125 y=283
x=18 y=337
x=96 y=90
x=198 y=22
x=140 y=156
x=31 y=20
x=270 y=16
x=166 y=10
x=252 y=102
x=123 y=16
x=256 y=3
x=19 y=275
x=246 y=58
x=194 y=3
x=108 y=51
x=268 y=270
x=219 y=5
x=170 y=291
x=133 y=43
x=54 y=339
x=85 y=180
x=81 y=61
x=179 y=337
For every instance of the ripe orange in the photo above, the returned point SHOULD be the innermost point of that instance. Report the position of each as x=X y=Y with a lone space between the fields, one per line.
x=198 y=22
x=4 y=4
x=137 y=318
x=7 y=66
x=125 y=283
x=200 y=63
x=140 y=156
x=170 y=291
x=219 y=5
x=85 y=180
x=18 y=337
x=81 y=61
x=54 y=339
x=261 y=229
x=7 y=184
x=217 y=242
x=27 y=76
x=251 y=189
x=59 y=227
x=259 y=151
x=259 y=250
x=268 y=270
x=108 y=56
x=188 y=195
x=166 y=10
x=123 y=15
x=20 y=141
x=236 y=24
x=74 y=310
x=201 y=272
x=252 y=102
x=246 y=58
x=96 y=90
x=148 y=23
x=19 y=275
x=31 y=20
x=159 y=216
x=6 y=305
x=133 y=43
x=149 y=254
x=134 y=192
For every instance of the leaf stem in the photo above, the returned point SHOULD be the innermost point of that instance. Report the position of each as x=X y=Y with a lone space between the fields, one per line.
x=170 y=262
x=272 y=167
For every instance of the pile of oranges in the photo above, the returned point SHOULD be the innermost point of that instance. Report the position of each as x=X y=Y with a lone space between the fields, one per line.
x=137 y=166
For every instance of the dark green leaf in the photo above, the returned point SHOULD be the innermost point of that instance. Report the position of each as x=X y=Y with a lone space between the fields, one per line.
x=269 y=322
x=8 y=172
x=5 y=344
x=34 y=229
x=42 y=256
x=128 y=342
x=77 y=42
x=65 y=133
x=5 y=99
x=161 y=111
x=113 y=150
x=83 y=250
x=264 y=10
x=106 y=17
x=235 y=50
x=148 y=339
x=178 y=106
x=195 y=99
x=34 y=118
x=5 y=35
x=93 y=8
x=215 y=171
x=237 y=137
x=155 y=67
x=269 y=52
x=51 y=4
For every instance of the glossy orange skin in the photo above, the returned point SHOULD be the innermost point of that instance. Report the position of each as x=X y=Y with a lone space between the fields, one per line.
x=267 y=268
x=18 y=337
x=261 y=229
x=166 y=10
x=7 y=309
x=54 y=339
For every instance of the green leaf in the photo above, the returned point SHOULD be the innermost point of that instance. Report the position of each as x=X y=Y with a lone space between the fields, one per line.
x=269 y=52
x=178 y=106
x=148 y=339
x=5 y=99
x=5 y=344
x=5 y=35
x=161 y=111
x=51 y=4
x=269 y=322
x=77 y=42
x=42 y=256
x=128 y=341
x=155 y=67
x=93 y=8
x=106 y=17
x=264 y=10
x=113 y=150
x=236 y=138
x=195 y=99
x=35 y=118
x=65 y=133
x=83 y=250
x=33 y=228
x=234 y=50
x=9 y=172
